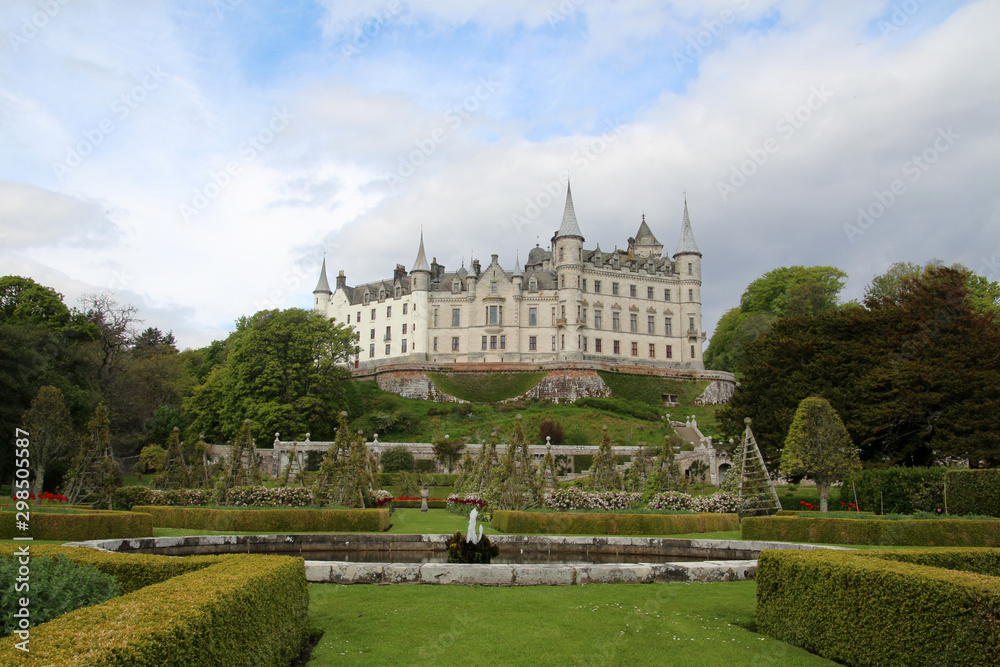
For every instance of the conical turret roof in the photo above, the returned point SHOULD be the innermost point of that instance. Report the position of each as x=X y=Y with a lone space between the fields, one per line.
x=569 y=226
x=420 y=263
x=645 y=235
x=323 y=285
x=686 y=244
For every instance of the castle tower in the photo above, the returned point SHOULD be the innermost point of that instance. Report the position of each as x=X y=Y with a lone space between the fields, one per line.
x=420 y=280
x=645 y=244
x=567 y=260
x=322 y=293
x=687 y=259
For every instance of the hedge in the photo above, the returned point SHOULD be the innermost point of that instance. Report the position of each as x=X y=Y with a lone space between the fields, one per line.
x=431 y=504
x=582 y=523
x=78 y=526
x=869 y=608
x=918 y=532
x=232 y=610
x=291 y=520
x=901 y=490
x=973 y=491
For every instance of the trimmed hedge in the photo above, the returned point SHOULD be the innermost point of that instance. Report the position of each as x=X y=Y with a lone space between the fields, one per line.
x=918 y=532
x=232 y=610
x=870 y=608
x=902 y=490
x=582 y=523
x=431 y=504
x=973 y=491
x=78 y=526
x=268 y=520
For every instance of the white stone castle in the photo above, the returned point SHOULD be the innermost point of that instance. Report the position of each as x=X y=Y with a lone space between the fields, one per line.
x=624 y=307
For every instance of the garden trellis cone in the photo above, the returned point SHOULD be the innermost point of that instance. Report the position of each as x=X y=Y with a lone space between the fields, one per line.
x=757 y=494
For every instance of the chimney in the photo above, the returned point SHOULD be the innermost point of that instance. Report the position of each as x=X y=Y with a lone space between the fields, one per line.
x=399 y=273
x=341 y=280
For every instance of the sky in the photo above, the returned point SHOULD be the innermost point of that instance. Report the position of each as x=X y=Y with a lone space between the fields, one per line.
x=200 y=158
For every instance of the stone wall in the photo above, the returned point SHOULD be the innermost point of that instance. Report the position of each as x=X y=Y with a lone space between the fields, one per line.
x=565 y=386
x=717 y=393
x=413 y=384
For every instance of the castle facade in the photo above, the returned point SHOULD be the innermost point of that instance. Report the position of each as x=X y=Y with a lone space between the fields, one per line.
x=635 y=306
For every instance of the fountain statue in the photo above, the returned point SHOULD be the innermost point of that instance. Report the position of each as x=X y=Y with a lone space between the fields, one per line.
x=470 y=534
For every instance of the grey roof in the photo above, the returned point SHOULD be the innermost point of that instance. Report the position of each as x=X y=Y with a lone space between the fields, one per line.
x=686 y=244
x=569 y=226
x=323 y=285
x=420 y=263
x=645 y=236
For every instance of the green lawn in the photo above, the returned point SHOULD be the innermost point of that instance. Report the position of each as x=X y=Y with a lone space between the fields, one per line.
x=605 y=624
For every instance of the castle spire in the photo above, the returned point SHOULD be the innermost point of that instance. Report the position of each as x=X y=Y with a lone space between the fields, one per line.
x=323 y=285
x=420 y=263
x=686 y=244
x=569 y=226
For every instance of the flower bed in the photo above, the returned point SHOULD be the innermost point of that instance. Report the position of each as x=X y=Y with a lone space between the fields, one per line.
x=411 y=502
x=261 y=496
x=464 y=504
x=722 y=502
x=48 y=496
x=575 y=498
x=125 y=497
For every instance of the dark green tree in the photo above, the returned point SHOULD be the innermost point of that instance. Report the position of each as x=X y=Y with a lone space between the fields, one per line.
x=398 y=459
x=603 y=471
x=51 y=430
x=94 y=473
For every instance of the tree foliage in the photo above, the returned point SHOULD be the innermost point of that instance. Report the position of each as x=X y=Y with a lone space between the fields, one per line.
x=784 y=292
x=818 y=447
x=94 y=473
x=51 y=430
x=913 y=381
x=398 y=459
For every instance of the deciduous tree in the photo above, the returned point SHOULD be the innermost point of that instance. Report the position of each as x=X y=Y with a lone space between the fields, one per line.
x=819 y=447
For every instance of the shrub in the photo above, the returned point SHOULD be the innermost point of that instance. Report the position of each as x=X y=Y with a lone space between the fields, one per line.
x=276 y=520
x=573 y=523
x=58 y=586
x=869 y=608
x=464 y=504
x=901 y=490
x=125 y=497
x=551 y=429
x=261 y=496
x=462 y=551
x=232 y=610
x=621 y=407
x=397 y=459
x=925 y=532
x=79 y=526
x=973 y=492
x=575 y=498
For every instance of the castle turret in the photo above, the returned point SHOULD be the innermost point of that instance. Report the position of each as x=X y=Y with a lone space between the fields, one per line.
x=567 y=260
x=322 y=293
x=687 y=259
x=420 y=280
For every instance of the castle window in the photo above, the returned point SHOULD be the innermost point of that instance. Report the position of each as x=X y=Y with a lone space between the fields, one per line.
x=403 y=346
x=553 y=318
x=435 y=318
x=651 y=324
x=388 y=311
x=597 y=345
x=388 y=349
x=614 y=288
x=649 y=292
x=533 y=284
x=692 y=351
x=388 y=333
x=562 y=341
x=494 y=287
x=404 y=328
x=584 y=343
x=359 y=317
x=690 y=295
x=598 y=324
x=495 y=314
x=405 y=308
x=562 y=281
x=435 y=343
x=560 y=254
x=399 y=291
x=617 y=347
x=691 y=324
x=454 y=344
x=562 y=312
x=633 y=322
x=667 y=326
x=584 y=284
x=532 y=343
x=578 y=313
x=381 y=294
x=532 y=317
x=631 y=291
x=503 y=342
x=666 y=295
x=371 y=350
x=584 y=318
x=635 y=349
x=367 y=298
x=553 y=343
x=615 y=263
x=616 y=321
x=348 y=318
x=456 y=286
x=690 y=269
x=373 y=334
x=670 y=352
x=493 y=342
x=373 y=314
x=652 y=350
x=456 y=317
x=597 y=287
x=484 y=342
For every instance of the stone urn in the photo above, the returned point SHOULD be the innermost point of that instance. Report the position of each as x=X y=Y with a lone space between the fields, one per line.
x=423 y=500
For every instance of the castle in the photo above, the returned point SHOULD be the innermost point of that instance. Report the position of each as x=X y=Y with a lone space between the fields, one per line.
x=635 y=306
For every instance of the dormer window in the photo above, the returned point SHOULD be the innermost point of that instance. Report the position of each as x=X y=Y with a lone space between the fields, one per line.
x=381 y=294
x=367 y=297
x=533 y=284
x=456 y=286
x=399 y=291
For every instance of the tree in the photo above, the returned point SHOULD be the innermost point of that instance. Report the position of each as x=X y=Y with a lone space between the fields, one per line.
x=174 y=473
x=665 y=473
x=448 y=451
x=551 y=429
x=94 y=473
x=603 y=471
x=782 y=292
x=285 y=371
x=23 y=301
x=819 y=447
x=398 y=459
x=152 y=458
x=515 y=482
x=51 y=430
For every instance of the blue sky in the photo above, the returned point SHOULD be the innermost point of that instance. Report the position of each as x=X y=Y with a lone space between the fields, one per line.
x=199 y=159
